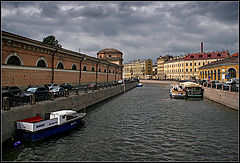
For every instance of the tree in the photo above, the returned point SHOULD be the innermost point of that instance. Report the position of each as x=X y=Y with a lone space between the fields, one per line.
x=51 y=40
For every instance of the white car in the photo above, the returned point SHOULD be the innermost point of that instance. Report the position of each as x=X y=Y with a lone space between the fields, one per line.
x=120 y=81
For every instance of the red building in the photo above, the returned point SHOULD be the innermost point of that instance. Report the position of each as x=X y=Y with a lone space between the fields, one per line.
x=29 y=62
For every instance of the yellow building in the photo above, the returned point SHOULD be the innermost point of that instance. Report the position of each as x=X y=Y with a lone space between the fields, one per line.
x=138 y=69
x=222 y=70
x=160 y=65
x=187 y=67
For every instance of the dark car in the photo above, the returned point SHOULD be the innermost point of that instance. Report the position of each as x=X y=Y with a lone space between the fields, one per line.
x=66 y=86
x=8 y=90
x=92 y=86
x=41 y=93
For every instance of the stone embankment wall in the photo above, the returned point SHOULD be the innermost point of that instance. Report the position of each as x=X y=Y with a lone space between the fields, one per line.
x=75 y=102
x=227 y=98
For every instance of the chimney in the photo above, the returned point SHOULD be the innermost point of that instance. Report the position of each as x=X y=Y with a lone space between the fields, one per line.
x=201 y=47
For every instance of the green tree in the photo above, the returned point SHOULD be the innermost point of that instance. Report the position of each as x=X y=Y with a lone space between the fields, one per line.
x=51 y=40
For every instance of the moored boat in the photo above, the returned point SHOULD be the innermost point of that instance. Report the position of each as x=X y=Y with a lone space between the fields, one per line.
x=36 y=128
x=192 y=89
x=139 y=85
x=176 y=91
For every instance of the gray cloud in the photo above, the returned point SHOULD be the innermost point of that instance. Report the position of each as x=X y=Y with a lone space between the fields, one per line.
x=138 y=29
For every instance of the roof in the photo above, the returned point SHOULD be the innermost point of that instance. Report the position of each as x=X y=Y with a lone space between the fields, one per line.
x=109 y=50
x=62 y=112
x=227 y=61
x=234 y=55
x=209 y=55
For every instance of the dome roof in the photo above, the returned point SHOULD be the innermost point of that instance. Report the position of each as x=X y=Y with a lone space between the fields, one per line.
x=109 y=50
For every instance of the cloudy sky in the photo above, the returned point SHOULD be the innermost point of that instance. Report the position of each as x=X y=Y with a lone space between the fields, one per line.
x=141 y=30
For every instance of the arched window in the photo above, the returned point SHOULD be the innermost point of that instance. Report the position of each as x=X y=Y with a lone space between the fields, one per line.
x=109 y=71
x=74 y=67
x=105 y=70
x=113 y=71
x=60 y=65
x=232 y=73
x=92 y=69
x=218 y=74
x=84 y=68
x=14 y=60
x=99 y=69
x=41 y=63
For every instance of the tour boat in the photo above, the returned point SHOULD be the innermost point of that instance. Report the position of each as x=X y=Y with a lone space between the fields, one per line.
x=192 y=89
x=176 y=91
x=36 y=128
x=139 y=85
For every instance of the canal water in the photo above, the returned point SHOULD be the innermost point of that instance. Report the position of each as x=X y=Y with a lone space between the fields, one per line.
x=143 y=124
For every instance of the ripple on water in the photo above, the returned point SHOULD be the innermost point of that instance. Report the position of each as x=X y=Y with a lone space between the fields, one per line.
x=144 y=124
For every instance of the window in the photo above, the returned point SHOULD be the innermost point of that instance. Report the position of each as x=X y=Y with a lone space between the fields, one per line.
x=186 y=64
x=190 y=64
x=191 y=56
x=85 y=68
x=60 y=65
x=195 y=69
x=232 y=73
x=105 y=70
x=203 y=63
x=99 y=69
x=209 y=55
x=190 y=70
x=93 y=69
x=195 y=64
x=109 y=71
x=186 y=70
x=41 y=63
x=218 y=74
x=218 y=55
x=14 y=60
x=74 y=67
x=199 y=63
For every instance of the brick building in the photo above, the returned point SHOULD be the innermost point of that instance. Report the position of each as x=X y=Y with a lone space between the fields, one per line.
x=29 y=62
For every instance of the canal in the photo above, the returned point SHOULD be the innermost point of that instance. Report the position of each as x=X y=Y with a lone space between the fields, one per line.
x=143 y=124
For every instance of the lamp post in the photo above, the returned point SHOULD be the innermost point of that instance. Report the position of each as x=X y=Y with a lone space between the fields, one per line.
x=80 y=69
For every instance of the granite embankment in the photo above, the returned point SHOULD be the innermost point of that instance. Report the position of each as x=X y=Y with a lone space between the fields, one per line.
x=75 y=102
x=227 y=98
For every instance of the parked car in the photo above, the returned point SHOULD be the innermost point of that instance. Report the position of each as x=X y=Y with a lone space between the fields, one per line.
x=57 y=91
x=52 y=86
x=92 y=86
x=66 y=86
x=120 y=81
x=8 y=90
x=41 y=93
x=233 y=81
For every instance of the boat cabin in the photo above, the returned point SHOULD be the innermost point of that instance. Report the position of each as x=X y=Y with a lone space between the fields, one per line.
x=63 y=115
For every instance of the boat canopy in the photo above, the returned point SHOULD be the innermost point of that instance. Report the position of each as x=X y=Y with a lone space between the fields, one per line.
x=189 y=84
x=64 y=112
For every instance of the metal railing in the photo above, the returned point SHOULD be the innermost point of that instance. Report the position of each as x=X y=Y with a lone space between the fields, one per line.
x=231 y=88
x=32 y=99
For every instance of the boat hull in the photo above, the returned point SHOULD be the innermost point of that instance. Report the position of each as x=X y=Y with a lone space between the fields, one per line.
x=34 y=136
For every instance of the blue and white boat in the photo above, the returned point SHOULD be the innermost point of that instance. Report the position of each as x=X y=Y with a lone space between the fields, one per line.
x=139 y=85
x=36 y=128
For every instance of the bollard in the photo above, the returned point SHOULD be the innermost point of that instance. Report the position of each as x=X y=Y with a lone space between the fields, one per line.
x=77 y=91
x=32 y=99
x=6 y=105
x=86 y=91
x=66 y=92
x=51 y=95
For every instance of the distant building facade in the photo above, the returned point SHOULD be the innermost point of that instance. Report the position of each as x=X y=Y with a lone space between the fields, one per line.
x=221 y=70
x=29 y=62
x=113 y=56
x=187 y=67
x=138 y=69
x=160 y=66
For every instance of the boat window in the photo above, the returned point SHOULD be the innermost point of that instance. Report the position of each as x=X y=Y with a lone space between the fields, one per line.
x=63 y=117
